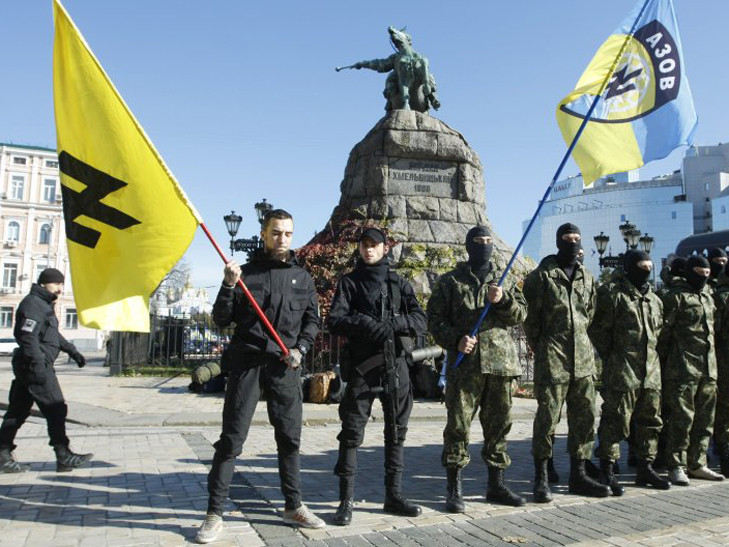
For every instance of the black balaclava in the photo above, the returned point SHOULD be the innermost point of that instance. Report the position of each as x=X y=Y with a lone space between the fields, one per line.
x=637 y=276
x=567 y=251
x=479 y=255
x=678 y=266
x=716 y=269
x=696 y=281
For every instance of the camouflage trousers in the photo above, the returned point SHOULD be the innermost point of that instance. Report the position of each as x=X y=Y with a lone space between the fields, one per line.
x=721 y=421
x=466 y=393
x=691 y=407
x=643 y=406
x=580 y=397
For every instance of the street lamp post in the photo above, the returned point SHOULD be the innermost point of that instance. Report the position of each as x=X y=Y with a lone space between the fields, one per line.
x=232 y=223
x=631 y=236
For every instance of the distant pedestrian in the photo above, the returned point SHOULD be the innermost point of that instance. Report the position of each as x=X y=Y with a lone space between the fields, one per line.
x=36 y=331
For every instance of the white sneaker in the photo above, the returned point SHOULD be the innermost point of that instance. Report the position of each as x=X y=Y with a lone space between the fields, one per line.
x=678 y=477
x=209 y=529
x=302 y=517
x=705 y=473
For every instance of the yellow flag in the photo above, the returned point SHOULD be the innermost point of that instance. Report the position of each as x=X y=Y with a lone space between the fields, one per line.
x=127 y=220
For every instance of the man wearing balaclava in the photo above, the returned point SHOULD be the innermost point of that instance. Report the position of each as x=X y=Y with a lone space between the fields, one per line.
x=39 y=342
x=721 y=421
x=687 y=350
x=673 y=270
x=717 y=260
x=560 y=295
x=373 y=304
x=482 y=381
x=625 y=329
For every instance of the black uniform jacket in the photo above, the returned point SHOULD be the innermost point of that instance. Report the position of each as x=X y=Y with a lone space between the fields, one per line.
x=286 y=294
x=36 y=331
x=352 y=302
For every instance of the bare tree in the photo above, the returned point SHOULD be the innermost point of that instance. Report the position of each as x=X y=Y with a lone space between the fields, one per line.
x=175 y=279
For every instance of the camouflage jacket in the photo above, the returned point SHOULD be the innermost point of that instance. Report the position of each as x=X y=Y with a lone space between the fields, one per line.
x=556 y=326
x=625 y=333
x=721 y=322
x=686 y=344
x=454 y=307
x=669 y=281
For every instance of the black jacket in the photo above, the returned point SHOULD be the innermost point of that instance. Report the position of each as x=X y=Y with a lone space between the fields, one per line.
x=352 y=302
x=36 y=331
x=286 y=294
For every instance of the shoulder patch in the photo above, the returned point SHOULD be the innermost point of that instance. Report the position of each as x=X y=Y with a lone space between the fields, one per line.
x=29 y=325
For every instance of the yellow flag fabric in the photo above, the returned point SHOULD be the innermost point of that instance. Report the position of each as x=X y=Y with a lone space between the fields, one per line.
x=127 y=220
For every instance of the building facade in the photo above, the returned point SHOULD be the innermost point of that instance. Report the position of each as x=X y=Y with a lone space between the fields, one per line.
x=32 y=238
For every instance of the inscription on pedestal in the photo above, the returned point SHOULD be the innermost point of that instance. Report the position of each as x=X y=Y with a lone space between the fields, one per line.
x=423 y=178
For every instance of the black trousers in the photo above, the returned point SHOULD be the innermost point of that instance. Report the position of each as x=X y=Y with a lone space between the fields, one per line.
x=49 y=399
x=282 y=387
x=355 y=410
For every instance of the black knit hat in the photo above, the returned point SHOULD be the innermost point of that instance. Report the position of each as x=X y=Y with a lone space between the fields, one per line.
x=50 y=275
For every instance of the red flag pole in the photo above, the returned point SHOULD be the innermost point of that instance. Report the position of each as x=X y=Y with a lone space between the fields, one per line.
x=248 y=294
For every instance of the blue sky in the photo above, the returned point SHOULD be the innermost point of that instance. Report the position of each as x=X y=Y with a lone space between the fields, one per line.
x=242 y=100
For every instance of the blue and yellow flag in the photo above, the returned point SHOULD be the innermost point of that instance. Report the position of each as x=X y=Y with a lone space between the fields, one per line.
x=645 y=109
x=127 y=220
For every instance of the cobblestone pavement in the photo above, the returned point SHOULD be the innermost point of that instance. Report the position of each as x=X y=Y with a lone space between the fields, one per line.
x=147 y=487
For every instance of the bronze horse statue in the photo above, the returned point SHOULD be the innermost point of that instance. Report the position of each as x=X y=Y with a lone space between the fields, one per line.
x=410 y=85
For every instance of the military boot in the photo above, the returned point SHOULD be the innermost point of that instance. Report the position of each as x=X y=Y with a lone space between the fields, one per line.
x=343 y=516
x=498 y=492
x=592 y=471
x=454 y=499
x=8 y=463
x=583 y=485
x=542 y=493
x=395 y=504
x=645 y=475
x=608 y=478
x=67 y=460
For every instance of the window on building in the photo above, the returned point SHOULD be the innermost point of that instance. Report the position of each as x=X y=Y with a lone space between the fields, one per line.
x=52 y=164
x=673 y=215
x=17 y=185
x=49 y=190
x=45 y=234
x=706 y=186
x=10 y=275
x=622 y=218
x=723 y=209
x=39 y=267
x=6 y=317
x=71 y=318
x=18 y=160
x=13 y=231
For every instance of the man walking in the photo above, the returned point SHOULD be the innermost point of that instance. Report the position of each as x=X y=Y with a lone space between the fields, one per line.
x=483 y=379
x=374 y=305
x=39 y=342
x=625 y=329
x=560 y=295
x=286 y=294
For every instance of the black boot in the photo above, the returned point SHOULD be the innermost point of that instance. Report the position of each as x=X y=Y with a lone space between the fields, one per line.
x=343 y=516
x=583 y=485
x=542 y=493
x=645 y=475
x=724 y=460
x=592 y=471
x=395 y=504
x=498 y=492
x=608 y=478
x=454 y=499
x=8 y=463
x=67 y=460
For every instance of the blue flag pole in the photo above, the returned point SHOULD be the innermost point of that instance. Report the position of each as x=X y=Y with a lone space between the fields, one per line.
x=577 y=136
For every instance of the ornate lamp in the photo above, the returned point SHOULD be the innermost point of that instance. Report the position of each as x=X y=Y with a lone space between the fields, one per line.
x=646 y=242
x=632 y=238
x=262 y=207
x=601 y=242
x=232 y=222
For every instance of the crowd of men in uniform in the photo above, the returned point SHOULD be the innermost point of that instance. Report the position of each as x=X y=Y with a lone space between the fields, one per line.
x=664 y=374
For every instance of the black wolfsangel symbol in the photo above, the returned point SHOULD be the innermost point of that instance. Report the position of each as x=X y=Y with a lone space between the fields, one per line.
x=87 y=202
x=621 y=82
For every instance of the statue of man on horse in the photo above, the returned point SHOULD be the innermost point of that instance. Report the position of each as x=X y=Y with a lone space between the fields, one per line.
x=410 y=85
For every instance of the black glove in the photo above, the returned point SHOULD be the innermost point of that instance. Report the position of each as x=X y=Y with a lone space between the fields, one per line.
x=367 y=326
x=399 y=325
x=38 y=376
x=80 y=359
x=382 y=332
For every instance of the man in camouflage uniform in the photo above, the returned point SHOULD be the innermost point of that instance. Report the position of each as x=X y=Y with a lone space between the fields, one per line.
x=483 y=379
x=721 y=422
x=687 y=350
x=717 y=260
x=674 y=270
x=628 y=319
x=560 y=295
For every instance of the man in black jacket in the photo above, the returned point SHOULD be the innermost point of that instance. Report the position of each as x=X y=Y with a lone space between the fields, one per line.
x=286 y=294
x=36 y=331
x=359 y=312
